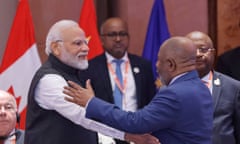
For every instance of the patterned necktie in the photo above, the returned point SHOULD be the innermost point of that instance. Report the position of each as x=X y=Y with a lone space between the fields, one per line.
x=117 y=94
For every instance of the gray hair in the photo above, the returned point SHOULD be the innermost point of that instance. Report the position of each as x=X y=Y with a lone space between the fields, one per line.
x=55 y=34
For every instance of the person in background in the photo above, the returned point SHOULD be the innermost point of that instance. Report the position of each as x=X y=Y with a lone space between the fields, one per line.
x=228 y=63
x=181 y=112
x=8 y=120
x=50 y=119
x=134 y=88
x=225 y=92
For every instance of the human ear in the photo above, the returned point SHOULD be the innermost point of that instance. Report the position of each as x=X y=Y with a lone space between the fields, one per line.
x=171 y=64
x=55 y=48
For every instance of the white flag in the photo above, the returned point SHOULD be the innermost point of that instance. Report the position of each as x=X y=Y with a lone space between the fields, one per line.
x=20 y=60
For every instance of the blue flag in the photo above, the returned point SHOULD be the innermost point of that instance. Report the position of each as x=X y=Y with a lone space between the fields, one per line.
x=157 y=33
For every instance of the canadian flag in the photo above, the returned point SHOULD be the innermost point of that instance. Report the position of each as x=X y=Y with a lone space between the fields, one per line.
x=20 y=60
x=88 y=22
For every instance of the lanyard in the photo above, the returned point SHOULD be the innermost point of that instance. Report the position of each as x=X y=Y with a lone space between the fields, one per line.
x=122 y=87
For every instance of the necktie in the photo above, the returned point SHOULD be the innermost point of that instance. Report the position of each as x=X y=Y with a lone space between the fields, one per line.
x=1 y=141
x=117 y=94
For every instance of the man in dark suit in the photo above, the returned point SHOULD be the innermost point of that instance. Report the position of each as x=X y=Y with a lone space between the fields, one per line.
x=9 y=119
x=228 y=63
x=181 y=112
x=225 y=92
x=138 y=83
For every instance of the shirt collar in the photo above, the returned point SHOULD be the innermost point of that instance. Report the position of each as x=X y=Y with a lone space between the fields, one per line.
x=206 y=77
x=12 y=136
x=176 y=77
x=110 y=58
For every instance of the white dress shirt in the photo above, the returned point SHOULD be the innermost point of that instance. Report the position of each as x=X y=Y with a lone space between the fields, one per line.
x=130 y=98
x=49 y=95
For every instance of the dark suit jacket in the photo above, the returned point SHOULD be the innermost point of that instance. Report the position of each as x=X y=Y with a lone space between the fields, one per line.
x=19 y=136
x=179 y=113
x=100 y=80
x=226 y=95
x=228 y=63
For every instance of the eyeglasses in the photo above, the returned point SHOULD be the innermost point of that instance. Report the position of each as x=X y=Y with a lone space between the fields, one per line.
x=114 y=35
x=204 y=49
x=77 y=42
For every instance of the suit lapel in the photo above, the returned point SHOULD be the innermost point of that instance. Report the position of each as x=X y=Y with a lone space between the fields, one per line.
x=103 y=69
x=136 y=70
x=216 y=88
x=19 y=136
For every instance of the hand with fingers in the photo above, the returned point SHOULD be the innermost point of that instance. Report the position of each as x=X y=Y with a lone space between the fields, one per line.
x=77 y=94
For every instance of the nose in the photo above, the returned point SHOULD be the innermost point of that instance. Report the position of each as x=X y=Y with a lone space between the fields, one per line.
x=85 y=48
x=2 y=111
x=117 y=38
x=199 y=53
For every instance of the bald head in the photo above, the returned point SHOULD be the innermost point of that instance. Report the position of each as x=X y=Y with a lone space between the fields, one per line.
x=113 y=22
x=177 y=55
x=115 y=37
x=200 y=36
x=10 y=98
x=205 y=52
x=179 y=48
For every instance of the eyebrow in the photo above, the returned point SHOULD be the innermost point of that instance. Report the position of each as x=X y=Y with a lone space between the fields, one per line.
x=12 y=103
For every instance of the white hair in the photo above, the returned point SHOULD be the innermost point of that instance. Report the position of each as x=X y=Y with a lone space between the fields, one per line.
x=55 y=34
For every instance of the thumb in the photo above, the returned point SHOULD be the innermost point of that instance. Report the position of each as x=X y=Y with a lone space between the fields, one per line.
x=88 y=85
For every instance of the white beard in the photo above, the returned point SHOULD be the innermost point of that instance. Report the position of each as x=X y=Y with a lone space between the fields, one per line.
x=82 y=64
x=74 y=61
